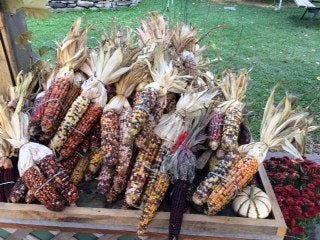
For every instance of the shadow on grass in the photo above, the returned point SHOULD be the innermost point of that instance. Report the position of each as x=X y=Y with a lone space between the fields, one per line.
x=306 y=22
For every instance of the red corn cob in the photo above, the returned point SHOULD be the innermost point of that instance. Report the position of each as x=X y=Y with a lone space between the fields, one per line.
x=18 y=191
x=90 y=117
x=69 y=164
x=125 y=162
x=7 y=176
x=178 y=207
x=55 y=103
x=110 y=126
x=60 y=178
x=215 y=130
x=34 y=126
x=61 y=111
x=95 y=137
x=153 y=202
x=2 y=196
x=43 y=190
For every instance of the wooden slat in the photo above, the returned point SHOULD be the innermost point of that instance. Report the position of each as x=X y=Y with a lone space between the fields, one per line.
x=19 y=234
x=123 y=222
x=63 y=236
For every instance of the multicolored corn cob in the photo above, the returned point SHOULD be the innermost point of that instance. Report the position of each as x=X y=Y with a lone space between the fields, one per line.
x=18 y=191
x=237 y=178
x=59 y=178
x=215 y=130
x=43 y=190
x=73 y=116
x=153 y=175
x=110 y=130
x=140 y=112
x=90 y=117
x=140 y=172
x=205 y=188
x=125 y=164
x=231 y=129
x=215 y=159
x=171 y=103
x=153 y=202
x=95 y=163
x=78 y=172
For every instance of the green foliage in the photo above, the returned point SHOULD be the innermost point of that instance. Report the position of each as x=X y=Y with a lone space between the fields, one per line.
x=277 y=45
x=32 y=8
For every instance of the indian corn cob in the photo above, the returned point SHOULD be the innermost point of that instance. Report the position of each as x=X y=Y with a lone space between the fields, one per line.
x=62 y=96
x=73 y=116
x=178 y=207
x=220 y=172
x=153 y=202
x=43 y=189
x=231 y=129
x=95 y=164
x=30 y=198
x=110 y=147
x=18 y=191
x=140 y=172
x=84 y=126
x=7 y=181
x=78 y=172
x=145 y=103
x=59 y=178
x=69 y=164
x=153 y=175
x=125 y=161
x=237 y=178
x=215 y=130
x=215 y=159
x=95 y=137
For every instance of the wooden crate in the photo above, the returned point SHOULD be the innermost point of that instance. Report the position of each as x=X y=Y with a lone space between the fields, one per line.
x=123 y=222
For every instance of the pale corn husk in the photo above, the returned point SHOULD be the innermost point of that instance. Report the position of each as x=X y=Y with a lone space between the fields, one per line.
x=153 y=31
x=25 y=85
x=96 y=91
x=184 y=38
x=165 y=76
x=234 y=87
x=105 y=66
x=124 y=88
x=282 y=128
x=72 y=51
x=188 y=106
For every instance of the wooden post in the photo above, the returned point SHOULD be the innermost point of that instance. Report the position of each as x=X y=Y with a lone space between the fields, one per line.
x=12 y=57
x=7 y=63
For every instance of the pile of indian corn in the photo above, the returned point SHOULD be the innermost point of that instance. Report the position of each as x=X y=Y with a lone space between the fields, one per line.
x=139 y=113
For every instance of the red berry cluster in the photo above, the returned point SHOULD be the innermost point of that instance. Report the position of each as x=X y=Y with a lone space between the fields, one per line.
x=297 y=188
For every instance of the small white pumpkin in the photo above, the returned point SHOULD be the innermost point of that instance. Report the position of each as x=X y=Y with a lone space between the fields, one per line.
x=252 y=202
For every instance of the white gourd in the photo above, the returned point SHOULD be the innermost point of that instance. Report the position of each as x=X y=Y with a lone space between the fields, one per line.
x=252 y=202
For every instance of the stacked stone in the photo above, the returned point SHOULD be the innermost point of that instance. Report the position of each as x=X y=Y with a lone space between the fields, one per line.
x=90 y=4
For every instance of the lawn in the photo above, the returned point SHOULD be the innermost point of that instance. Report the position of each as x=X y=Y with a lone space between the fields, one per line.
x=277 y=45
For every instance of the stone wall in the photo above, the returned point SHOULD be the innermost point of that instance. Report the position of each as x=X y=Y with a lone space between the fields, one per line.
x=90 y=4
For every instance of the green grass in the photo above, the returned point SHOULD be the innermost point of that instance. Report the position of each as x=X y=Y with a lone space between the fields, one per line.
x=276 y=44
